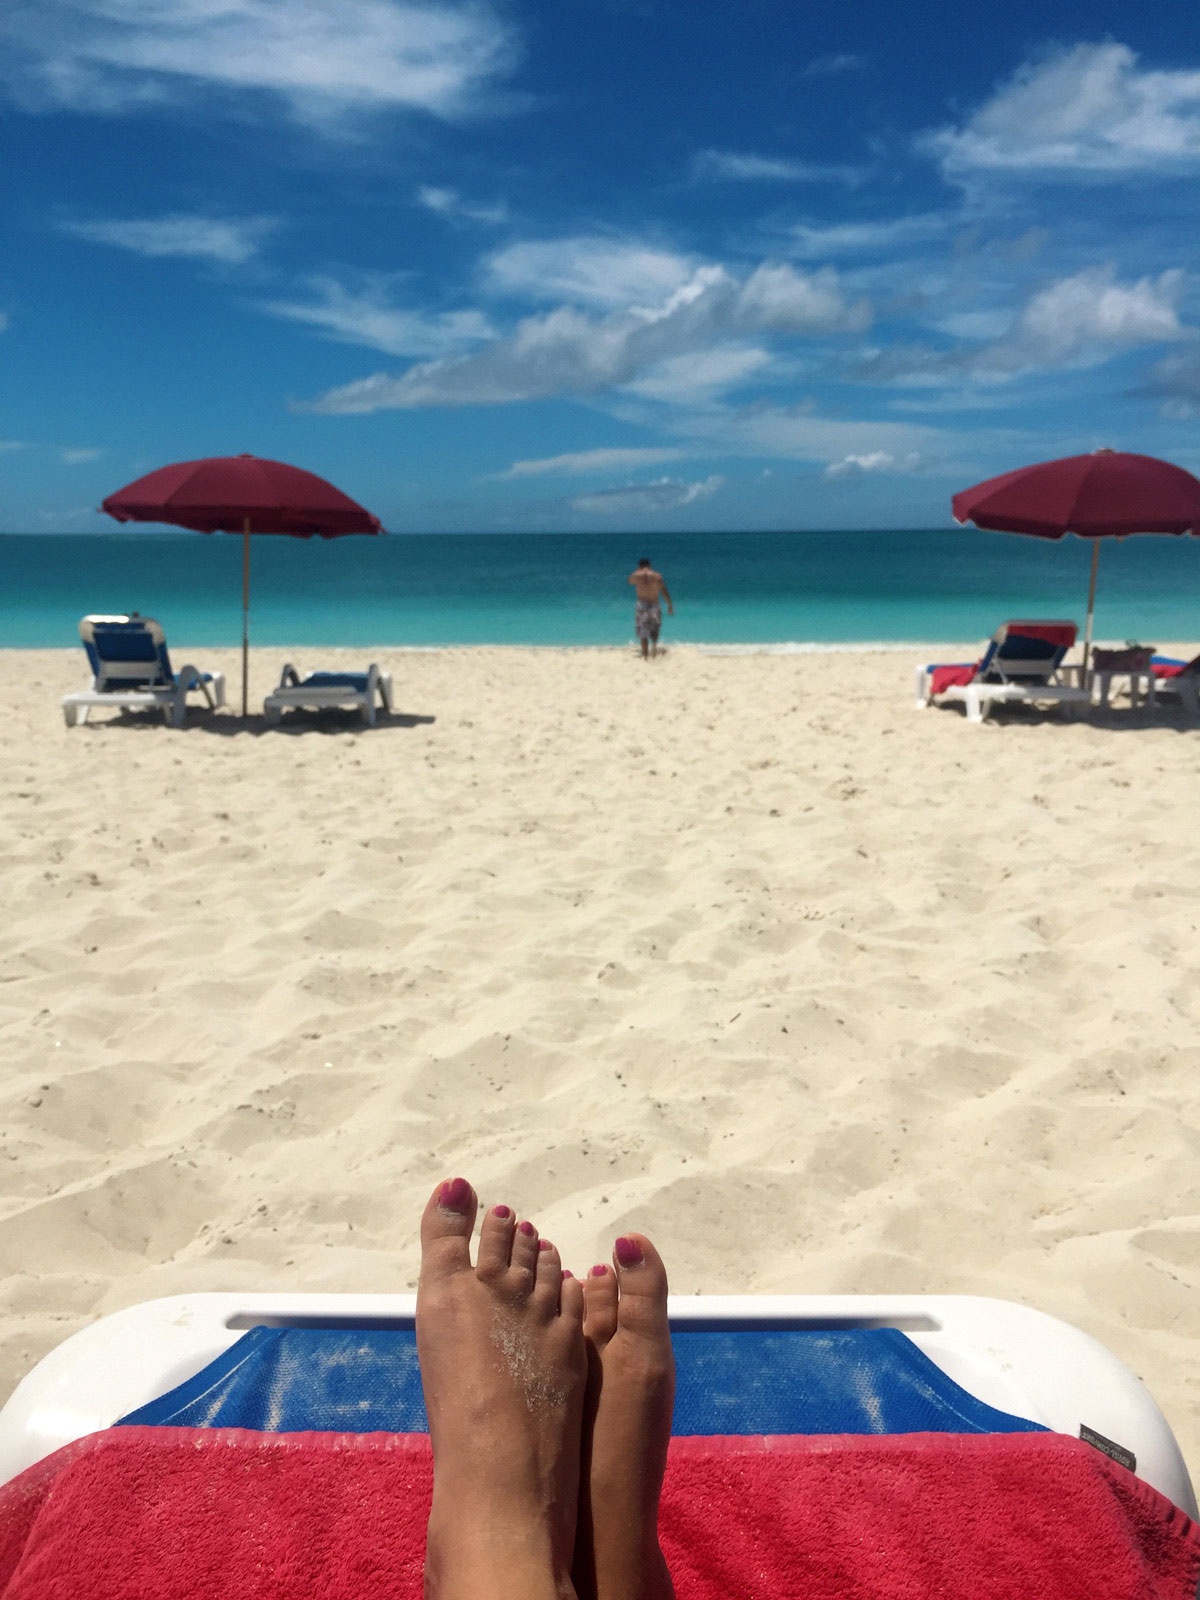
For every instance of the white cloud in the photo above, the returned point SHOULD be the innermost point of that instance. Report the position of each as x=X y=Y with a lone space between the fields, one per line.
x=692 y=373
x=587 y=271
x=13 y=444
x=570 y=351
x=980 y=324
x=827 y=66
x=664 y=494
x=818 y=242
x=1176 y=380
x=1080 y=320
x=76 y=458
x=227 y=240
x=1179 y=410
x=777 y=299
x=853 y=466
x=1087 y=312
x=1083 y=110
x=579 y=462
x=732 y=166
x=115 y=55
x=449 y=203
x=366 y=317
x=797 y=433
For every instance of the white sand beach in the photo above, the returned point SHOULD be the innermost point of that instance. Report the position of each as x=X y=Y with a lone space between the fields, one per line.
x=826 y=994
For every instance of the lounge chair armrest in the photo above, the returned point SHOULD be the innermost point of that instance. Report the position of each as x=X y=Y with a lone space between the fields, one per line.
x=289 y=677
x=211 y=686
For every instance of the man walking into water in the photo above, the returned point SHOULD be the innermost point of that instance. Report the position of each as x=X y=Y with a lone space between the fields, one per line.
x=650 y=587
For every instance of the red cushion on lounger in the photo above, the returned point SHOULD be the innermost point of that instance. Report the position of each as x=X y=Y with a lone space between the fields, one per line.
x=141 y=1513
x=951 y=677
x=1061 y=635
x=1167 y=667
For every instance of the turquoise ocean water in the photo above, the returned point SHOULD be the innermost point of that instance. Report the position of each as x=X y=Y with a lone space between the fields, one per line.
x=765 y=589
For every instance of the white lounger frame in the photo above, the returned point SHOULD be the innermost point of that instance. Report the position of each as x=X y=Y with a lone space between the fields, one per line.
x=1007 y=1355
x=1184 y=687
x=171 y=702
x=293 y=694
x=979 y=698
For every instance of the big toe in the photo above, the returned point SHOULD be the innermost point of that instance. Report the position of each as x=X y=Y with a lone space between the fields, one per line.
x=446 y=1227
x=642 y=1282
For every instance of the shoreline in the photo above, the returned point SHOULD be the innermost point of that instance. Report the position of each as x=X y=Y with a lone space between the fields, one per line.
x=922 y=649
x=700 y=647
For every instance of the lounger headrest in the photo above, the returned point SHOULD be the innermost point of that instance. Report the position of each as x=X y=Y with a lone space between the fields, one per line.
x=119 y=627
x=112 y=642
x=1058 y=635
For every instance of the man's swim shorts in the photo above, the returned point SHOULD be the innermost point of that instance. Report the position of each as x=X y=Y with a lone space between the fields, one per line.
x=647 y=620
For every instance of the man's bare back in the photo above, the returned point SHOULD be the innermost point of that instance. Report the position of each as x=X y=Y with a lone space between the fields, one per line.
x=649 y=586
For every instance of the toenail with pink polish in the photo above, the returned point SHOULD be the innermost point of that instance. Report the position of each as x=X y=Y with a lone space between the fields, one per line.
x=456 y=1194
x=544 y=1244
x=526 y=1228
x=599 y=1270
x=503 y=1212
x=567 y=1273
x=629 y=1252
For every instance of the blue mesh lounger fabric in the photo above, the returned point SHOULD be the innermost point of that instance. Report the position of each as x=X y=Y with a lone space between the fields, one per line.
x=740 y=1381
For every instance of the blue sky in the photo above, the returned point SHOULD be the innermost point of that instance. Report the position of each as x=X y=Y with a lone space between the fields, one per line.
x=595 y=264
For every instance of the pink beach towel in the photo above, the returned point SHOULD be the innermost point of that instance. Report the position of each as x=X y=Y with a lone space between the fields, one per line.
x=208 y=1514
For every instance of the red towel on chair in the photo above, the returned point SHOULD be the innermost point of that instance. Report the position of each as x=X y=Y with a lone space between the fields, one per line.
x=951 y=677
x=152 y=1513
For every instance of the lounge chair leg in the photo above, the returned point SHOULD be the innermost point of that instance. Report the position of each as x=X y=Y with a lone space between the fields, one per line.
x=976 y=710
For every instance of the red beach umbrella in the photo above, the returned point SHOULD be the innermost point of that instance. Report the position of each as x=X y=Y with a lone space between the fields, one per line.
x=1105 y=495
x=246 y=494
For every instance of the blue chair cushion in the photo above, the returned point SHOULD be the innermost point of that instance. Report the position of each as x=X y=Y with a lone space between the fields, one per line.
x=336 y=680
x=730 y=1381
x=114 y=644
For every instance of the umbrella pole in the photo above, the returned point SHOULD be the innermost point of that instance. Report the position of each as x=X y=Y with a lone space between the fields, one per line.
x=1087 y=634
x=246 y=612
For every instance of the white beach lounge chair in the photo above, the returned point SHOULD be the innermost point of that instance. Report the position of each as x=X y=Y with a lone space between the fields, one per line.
x=324 y=689
x=131 y=671
x=1023 y=662
x=1177 y=680
x=1006 y=1355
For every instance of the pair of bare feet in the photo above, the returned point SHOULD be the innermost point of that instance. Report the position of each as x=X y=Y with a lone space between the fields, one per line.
x=549 y=1401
